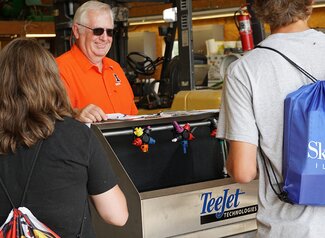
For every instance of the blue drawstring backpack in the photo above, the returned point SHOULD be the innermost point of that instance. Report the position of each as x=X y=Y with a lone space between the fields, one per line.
x=303 y=143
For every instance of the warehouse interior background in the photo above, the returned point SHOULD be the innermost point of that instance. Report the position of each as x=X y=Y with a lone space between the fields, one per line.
x=176 y=179
x=140 y=25
x=23 y=17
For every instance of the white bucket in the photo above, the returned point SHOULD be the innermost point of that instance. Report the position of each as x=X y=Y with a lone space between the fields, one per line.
x=227 y=60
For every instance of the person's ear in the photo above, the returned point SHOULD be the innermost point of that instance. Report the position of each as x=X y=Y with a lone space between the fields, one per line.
x=75 y=30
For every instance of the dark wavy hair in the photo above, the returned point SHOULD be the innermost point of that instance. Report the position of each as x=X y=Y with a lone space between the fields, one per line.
x=32 y=94
x=279 y=13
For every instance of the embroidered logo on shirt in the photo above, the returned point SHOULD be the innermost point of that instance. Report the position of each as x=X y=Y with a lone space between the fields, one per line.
x=117 y=79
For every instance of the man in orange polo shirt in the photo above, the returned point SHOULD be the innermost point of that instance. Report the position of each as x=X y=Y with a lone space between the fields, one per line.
x=96 y=84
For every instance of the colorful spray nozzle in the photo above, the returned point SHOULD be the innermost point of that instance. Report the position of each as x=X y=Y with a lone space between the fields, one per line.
x=142 y=138
x=137 y=142
x=138 y=131
x=182 y=134
x=213 y=128
x=177 y=127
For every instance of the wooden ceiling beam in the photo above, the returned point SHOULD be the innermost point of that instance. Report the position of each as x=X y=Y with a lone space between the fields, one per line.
x=26 y=27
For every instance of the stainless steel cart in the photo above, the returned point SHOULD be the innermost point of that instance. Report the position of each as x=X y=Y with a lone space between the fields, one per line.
x=172 y=192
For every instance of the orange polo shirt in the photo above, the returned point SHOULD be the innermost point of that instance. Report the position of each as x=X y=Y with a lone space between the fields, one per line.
x=110 y=90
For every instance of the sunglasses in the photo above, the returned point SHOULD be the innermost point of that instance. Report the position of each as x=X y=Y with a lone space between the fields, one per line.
x=99 y=31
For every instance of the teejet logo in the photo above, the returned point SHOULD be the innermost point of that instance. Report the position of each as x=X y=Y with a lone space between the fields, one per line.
x=223 y=207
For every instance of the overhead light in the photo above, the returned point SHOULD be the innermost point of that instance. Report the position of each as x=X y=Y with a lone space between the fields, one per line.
x=145 y=22
x=213 y=16
x=134 y=21
x=40 y=35
x=319 y=5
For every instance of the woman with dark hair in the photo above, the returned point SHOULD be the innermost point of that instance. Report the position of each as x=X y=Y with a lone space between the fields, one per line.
x=71 y=164
x=252 y=112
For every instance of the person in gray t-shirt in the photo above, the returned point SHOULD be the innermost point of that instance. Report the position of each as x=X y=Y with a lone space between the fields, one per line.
x=252 y=112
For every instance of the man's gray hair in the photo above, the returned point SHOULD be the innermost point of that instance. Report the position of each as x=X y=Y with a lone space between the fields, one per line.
x=81 y=15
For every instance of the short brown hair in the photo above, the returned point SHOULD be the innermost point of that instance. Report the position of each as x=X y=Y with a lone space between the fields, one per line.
x=282 y=12
x=32 y=94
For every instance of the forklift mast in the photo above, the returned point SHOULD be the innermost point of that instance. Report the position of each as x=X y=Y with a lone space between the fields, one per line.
x=185 y=44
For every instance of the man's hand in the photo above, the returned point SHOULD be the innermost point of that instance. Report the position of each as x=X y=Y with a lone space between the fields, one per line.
x=91 y=113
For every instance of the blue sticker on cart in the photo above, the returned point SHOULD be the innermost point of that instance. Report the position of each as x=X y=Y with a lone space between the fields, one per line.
x=222 y=207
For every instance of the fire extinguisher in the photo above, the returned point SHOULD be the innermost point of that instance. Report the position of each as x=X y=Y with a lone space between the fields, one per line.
x=243 y=23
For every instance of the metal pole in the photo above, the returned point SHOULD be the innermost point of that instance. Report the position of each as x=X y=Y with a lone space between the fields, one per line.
x=185 y=44
x=158 y=128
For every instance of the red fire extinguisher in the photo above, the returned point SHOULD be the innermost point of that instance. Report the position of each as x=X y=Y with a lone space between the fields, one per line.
x=243 y=23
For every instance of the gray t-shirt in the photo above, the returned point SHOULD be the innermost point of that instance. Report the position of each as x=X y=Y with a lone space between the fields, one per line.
x=252 y=102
